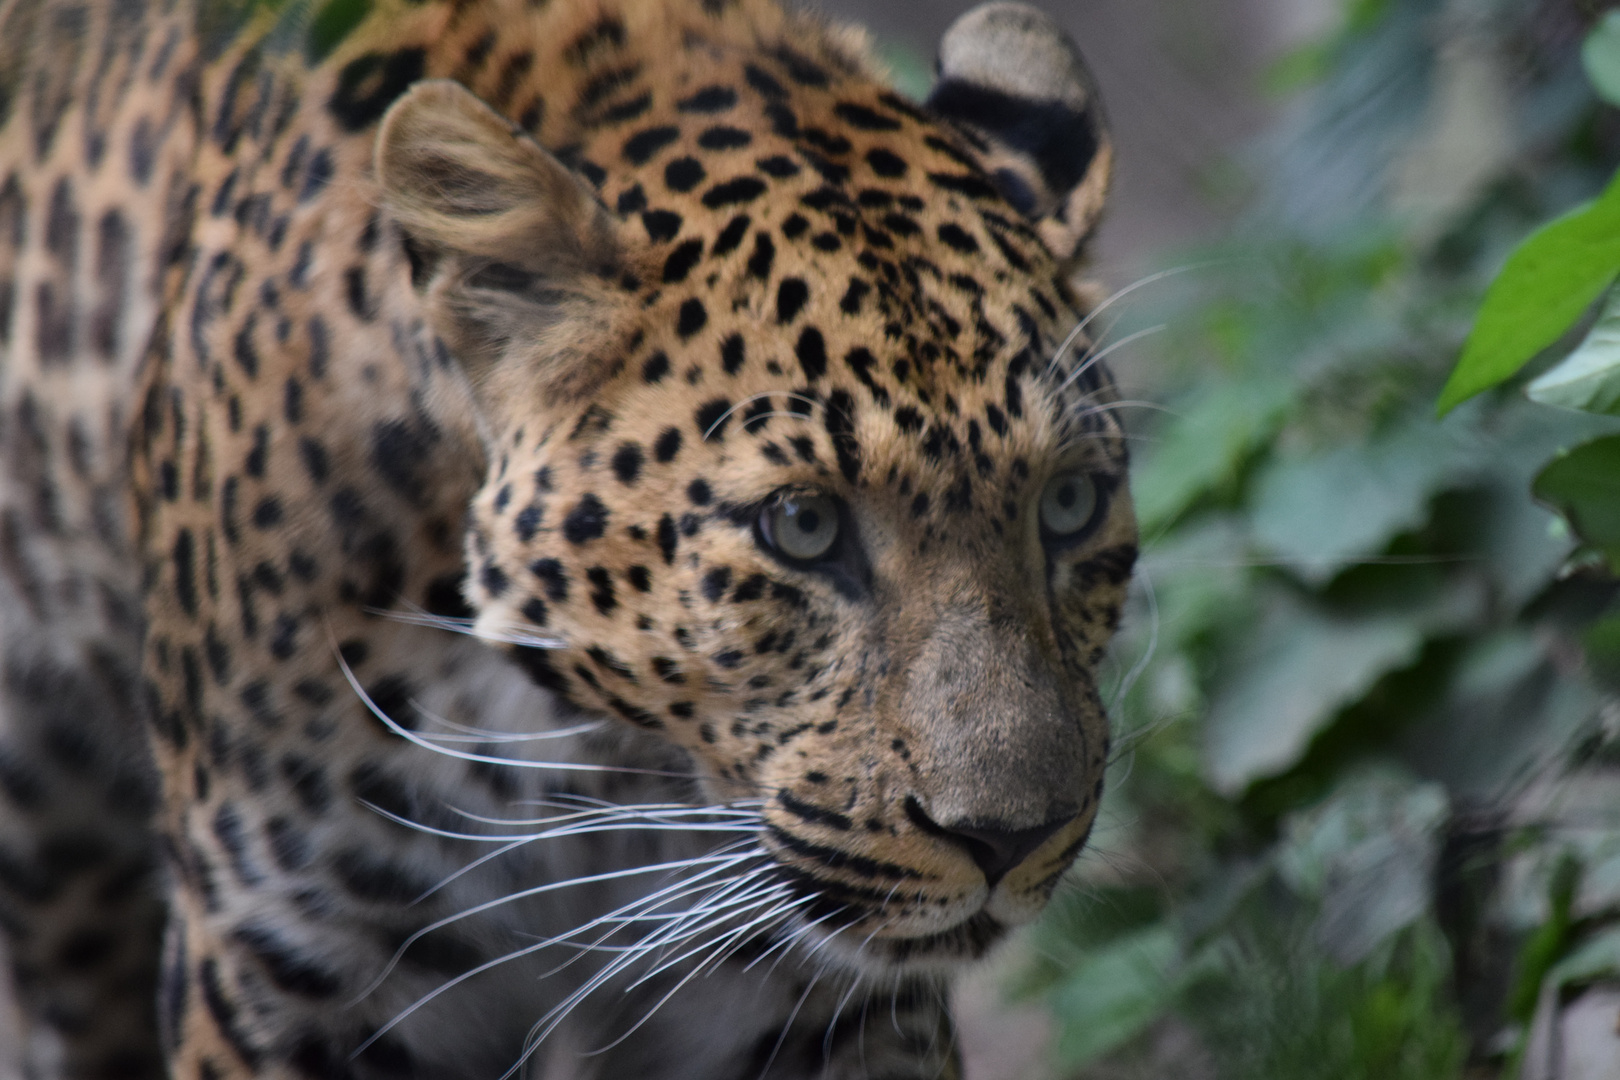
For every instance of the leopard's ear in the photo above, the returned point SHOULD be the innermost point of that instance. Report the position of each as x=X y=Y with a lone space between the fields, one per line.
x=514 y=255
x=1010 y=76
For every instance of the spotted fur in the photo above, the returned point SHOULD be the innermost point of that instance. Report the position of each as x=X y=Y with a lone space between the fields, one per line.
x=394 y=399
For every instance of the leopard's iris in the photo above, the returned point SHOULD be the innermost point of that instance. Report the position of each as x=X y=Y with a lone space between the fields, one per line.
x=804 y=527
x=1068 y=503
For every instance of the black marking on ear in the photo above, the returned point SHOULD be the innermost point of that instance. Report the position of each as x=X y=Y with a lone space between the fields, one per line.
x=368 y=84
x=1059 y=140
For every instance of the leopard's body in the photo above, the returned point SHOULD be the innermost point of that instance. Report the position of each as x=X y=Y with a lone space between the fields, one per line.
x=354 y=445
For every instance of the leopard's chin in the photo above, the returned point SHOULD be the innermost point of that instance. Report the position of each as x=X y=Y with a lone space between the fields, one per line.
x=875 y=943
x=942 y=953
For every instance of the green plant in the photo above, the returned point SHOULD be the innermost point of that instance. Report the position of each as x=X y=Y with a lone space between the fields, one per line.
x=1367 y=646
x=1549 y=282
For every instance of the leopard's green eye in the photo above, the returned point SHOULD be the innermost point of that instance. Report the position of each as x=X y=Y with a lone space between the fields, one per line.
x=1068 y=503
x=801 y=527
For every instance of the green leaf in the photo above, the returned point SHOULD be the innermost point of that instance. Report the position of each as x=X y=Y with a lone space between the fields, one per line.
x=1115 y=994
x=1479 y=742
x=1367 y=855
x=1303 y=668
x=1600 y=55
x=1589 y=378
x=1601 y=641
x=1205 y=445
x=1598 y=958
x=1548 y=942
x=1583 y=484
x=1547 y=283
x=1324 y=511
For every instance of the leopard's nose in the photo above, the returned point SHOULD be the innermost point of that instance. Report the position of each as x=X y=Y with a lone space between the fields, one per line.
x=993 y=846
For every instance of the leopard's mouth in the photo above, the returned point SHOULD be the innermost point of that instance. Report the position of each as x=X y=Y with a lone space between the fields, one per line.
x=862 y=939
x=923 y=905
x=902 y=927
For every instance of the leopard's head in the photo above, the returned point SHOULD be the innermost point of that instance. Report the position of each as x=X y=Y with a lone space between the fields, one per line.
x=798 y=447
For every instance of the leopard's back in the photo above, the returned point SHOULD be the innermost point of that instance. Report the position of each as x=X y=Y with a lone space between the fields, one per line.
x=98 y=128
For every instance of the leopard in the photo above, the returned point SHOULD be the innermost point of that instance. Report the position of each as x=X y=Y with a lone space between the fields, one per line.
x=552 y=538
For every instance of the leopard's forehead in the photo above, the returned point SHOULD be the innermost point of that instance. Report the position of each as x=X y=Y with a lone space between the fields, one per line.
x=834 y=293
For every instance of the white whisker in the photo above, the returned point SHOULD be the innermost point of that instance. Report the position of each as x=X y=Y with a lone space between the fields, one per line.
x=513 y=955
x=1112 y=405
x=798 y=934
x=480 y=735
x=811 y=402
x=1119 y=295
x=738 y=812
x=505 y=634
x=1096 y=357
x=1129 y=681
x=461 y=755
x=722 y=941
x=550 y=886
x=792 y=1016
x=576 y=829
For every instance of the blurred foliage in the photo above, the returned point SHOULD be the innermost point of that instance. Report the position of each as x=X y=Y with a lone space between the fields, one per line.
x=1364 y=816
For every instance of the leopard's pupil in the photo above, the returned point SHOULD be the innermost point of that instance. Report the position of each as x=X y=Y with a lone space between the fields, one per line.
x=1065 y=496
x=808 y=521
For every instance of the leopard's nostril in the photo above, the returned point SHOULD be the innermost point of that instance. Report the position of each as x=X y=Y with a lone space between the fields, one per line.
x=995 y=848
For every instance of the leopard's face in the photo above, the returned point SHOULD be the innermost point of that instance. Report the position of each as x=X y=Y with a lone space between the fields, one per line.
x=818 y=495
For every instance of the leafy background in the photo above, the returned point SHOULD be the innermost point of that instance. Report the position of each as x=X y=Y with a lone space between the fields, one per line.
x=1366 y=817
x=1364 y=820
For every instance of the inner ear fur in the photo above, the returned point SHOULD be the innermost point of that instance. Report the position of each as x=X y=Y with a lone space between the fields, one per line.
x=1012 y=80
x=513 y=254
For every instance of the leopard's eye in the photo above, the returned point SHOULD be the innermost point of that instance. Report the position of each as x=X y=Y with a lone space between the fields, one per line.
x=1068 y=503
x=801 y=527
